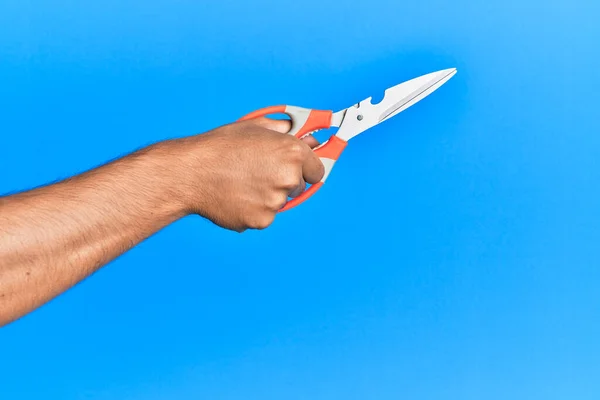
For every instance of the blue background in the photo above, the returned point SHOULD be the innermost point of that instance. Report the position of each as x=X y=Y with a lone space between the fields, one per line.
x=453 y=254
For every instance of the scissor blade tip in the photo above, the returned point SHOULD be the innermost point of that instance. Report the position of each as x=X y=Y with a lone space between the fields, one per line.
x=449 y=73
x=443 y=73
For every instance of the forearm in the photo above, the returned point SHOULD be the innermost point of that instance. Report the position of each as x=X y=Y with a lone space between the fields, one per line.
x=238 y=176
x=54 y=236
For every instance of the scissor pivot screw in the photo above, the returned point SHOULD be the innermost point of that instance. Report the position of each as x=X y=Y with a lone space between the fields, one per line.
x=359 y=117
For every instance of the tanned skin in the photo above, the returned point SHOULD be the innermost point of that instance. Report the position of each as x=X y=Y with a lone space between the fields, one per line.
x=237 y=176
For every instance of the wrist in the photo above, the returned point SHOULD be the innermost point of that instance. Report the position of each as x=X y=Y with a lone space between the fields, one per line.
x=183 y=168
x=162 y=164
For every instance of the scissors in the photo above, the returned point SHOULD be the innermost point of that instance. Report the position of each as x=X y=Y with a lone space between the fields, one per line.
x=351 y=121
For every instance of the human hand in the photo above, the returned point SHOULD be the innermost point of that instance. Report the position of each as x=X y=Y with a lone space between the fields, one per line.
x=240 y=175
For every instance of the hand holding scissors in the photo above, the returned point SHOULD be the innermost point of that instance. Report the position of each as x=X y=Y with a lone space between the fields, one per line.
x=353 y=120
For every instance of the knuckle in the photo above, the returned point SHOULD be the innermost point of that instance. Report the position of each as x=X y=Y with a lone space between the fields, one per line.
x=296 y=150
x=290 y=181
x=276 y=201
x=262 y=221
x=298 y=190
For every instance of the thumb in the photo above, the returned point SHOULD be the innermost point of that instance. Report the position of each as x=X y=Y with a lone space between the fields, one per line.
x=277 y=125
x=284 y=126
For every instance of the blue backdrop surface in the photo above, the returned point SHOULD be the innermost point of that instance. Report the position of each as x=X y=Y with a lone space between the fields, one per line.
x=453 y=254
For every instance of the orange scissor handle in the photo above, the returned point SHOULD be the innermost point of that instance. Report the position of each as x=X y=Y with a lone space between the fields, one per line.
x=328 y=152
x=304 y=122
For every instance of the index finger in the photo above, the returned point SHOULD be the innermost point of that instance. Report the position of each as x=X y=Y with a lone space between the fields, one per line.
x=312 y=168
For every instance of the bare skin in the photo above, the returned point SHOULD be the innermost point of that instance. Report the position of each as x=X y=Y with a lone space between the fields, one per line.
x=237 y=176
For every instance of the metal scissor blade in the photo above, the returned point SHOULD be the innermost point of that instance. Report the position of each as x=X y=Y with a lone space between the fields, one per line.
x=408 y=93
x=365 y=115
